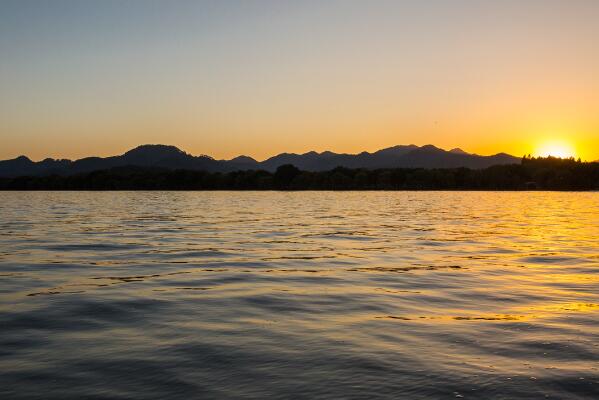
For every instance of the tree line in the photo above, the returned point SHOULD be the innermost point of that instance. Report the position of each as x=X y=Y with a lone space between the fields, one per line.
x=547 y=173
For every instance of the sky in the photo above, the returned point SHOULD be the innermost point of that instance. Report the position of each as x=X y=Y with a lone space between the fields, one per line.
x=224 y=78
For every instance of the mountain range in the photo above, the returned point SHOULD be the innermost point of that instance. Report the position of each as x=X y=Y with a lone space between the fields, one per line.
x=171 y=157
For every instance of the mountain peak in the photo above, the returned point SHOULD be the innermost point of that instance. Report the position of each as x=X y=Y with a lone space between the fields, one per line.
x=457 y=150
x=154 y=149
x=397 y=150
x=430 y=147
x=243 y=159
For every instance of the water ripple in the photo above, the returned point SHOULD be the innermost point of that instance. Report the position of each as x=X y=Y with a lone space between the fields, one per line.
x=382 y=295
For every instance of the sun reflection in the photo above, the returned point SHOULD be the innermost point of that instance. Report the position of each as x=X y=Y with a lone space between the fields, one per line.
x=555 y=148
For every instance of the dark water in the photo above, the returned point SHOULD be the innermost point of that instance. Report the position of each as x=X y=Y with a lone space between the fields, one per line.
x=299 y=295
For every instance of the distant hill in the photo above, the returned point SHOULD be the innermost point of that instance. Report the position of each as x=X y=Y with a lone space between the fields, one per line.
x=530 y=174
x=170 y=157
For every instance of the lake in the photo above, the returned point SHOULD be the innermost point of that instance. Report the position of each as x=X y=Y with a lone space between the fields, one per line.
x=304 y=295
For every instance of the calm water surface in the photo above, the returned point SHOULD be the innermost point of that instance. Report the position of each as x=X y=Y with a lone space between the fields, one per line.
x=247 y=295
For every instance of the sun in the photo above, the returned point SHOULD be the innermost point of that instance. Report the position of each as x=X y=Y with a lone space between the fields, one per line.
x=555 y=148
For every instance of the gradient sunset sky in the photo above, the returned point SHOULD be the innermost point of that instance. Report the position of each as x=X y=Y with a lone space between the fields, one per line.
x=81 y=78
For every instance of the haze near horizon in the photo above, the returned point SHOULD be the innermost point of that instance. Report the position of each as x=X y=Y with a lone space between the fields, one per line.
x=264 y=77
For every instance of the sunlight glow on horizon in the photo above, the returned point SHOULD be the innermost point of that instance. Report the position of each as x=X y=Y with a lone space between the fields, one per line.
x=555 y=148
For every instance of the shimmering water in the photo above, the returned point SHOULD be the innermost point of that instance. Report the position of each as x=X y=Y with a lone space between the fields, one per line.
x=153 y=295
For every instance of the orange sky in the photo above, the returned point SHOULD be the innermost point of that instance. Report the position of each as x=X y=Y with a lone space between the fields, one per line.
x=259 y=78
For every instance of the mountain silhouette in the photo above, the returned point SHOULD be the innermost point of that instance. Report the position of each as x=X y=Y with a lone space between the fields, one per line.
x=171 y=157
x=457 y=150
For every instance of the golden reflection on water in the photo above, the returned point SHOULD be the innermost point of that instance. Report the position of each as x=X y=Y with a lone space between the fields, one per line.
x=481 y=287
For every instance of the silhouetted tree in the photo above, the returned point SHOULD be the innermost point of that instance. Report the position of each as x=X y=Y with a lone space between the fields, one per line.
x=547 y=173
x=285 y=174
